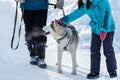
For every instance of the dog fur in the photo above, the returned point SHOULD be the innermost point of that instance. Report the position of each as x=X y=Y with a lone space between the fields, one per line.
x=67 y=39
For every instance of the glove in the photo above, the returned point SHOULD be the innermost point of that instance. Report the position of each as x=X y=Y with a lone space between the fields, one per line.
x=102 y=36
x=59 y=4
x=20 y=1
x=58 y=21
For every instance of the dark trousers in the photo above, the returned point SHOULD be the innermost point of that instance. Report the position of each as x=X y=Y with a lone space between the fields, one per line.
x=108 y=52
x=37 y=18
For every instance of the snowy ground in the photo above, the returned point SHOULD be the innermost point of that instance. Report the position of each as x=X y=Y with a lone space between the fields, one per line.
x=14 y=65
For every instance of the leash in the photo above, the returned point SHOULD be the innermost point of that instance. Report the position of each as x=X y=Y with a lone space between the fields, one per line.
x=14 y=30
x=55 y=7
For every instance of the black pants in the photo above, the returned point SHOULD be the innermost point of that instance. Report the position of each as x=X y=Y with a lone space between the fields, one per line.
x=108 y=52
x=37 y=18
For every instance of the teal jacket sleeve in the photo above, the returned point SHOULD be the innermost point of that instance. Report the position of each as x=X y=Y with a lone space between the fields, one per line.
x=73 y=16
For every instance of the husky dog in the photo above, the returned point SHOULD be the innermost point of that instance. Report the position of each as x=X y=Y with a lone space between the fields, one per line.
x=67 y=39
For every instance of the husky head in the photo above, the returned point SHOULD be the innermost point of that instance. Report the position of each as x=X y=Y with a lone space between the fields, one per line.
x=57 y=29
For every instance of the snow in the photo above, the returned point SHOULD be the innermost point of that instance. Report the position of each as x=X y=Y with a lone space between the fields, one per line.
x=14 y=65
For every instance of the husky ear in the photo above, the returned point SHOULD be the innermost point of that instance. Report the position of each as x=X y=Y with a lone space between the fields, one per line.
x=53 y=21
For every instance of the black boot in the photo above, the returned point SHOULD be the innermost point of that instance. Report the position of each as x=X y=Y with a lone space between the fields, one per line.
x=113 y=74
x=92 y=75
x=41 y=55
x=41 y=63
x=31 y=48
x=33 y=61
x=40 y=47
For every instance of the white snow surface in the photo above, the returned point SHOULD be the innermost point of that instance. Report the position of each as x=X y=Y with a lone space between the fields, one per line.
x=14 y=64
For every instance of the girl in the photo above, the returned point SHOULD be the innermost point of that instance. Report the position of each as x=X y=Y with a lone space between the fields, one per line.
x=102 y=27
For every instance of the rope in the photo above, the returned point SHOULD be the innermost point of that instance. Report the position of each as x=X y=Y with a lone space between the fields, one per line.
x=19 y=33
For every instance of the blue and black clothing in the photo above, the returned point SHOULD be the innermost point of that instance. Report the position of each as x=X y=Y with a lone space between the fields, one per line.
x=35 y=15
x=101 y=21
x=100 y=14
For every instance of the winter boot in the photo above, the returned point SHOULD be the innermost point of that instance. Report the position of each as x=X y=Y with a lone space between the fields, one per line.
x=31 y=48
x=113 y=74
x=40 y=49
x=40 y=46
x=33 y=61
x=41 y=54
x=92 y=75
x=41 y=63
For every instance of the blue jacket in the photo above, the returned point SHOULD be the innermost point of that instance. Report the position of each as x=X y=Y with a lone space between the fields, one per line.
x=100 y=14
x=34 y=4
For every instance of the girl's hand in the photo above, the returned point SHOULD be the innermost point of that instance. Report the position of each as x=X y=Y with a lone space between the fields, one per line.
x=102 y=36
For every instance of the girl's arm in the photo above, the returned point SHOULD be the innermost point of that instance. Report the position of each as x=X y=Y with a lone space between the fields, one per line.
x=73 y=16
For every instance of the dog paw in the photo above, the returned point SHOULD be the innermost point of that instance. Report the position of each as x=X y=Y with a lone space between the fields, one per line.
x=74 y=73
x=60 y=71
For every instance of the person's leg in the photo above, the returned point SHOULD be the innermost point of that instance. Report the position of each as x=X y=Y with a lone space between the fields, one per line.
x=110 y=54
x=95 y=57
x=40 y=46
x=28 y=20
x=40 y=19
x=95 y=53
x=31 y=48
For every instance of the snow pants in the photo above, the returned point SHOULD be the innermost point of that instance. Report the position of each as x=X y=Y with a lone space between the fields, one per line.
x=35 y=19
x=108 y=51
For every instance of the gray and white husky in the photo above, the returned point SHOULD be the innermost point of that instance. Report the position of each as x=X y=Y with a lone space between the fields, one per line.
x=67 y=39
